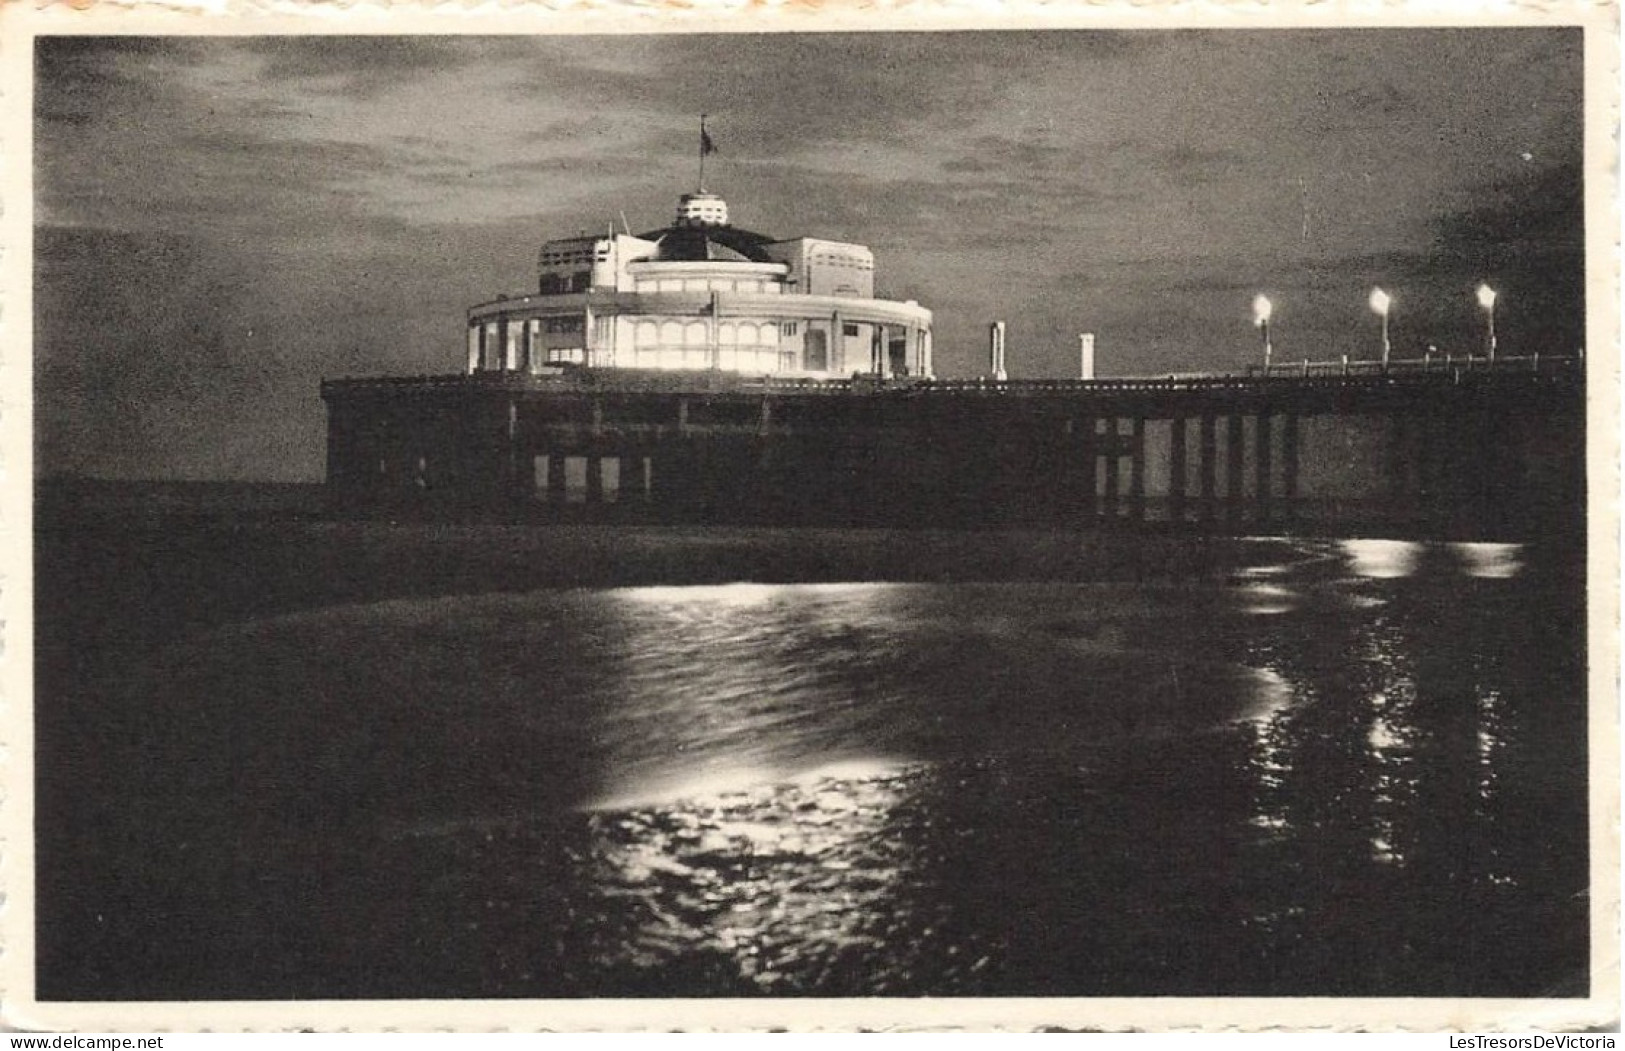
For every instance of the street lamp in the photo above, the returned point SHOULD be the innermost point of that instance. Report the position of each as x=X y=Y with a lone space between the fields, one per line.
x=1486 y=299
x=1381 y=302
x=1261 y=317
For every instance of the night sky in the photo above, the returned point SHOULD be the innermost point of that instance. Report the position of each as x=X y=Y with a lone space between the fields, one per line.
x=223 y=222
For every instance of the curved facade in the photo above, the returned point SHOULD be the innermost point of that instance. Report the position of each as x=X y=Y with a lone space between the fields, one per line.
x=702 y=294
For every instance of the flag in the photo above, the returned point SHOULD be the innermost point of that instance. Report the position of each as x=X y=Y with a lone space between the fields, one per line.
x=706 y=145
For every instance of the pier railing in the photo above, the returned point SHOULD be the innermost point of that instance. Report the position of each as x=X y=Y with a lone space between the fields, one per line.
x=1428 y=364
x=1428 y=370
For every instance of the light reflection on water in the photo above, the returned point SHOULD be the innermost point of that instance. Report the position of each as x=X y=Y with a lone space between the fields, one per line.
x=1387 y=559
x=738 y=682
x=1491 y=561
x=801 y=844
x=1280 y=785
x=1268 y=599
x=780 y=880
x=1381 y=559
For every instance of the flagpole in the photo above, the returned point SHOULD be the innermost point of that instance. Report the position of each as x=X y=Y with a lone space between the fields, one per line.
x=702 y=153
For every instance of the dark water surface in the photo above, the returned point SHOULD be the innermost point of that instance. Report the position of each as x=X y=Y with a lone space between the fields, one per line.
x=1355 y=770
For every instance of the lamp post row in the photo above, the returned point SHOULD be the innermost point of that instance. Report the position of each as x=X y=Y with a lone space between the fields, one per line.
x=1382 y=304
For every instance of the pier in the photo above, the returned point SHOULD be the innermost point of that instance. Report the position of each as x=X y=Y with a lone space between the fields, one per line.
x=1434 y=446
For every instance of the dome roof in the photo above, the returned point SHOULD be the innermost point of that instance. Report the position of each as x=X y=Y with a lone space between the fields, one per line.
x=696 y=244
x=701 y=234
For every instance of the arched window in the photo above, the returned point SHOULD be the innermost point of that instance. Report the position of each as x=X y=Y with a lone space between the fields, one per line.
x=648 y=333
x=748 y=333
x=694 y=334
x=727 y=334
x=671 y=333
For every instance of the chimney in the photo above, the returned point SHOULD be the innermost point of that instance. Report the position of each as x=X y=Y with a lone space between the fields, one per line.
x=995 y=338
x=1086 y=356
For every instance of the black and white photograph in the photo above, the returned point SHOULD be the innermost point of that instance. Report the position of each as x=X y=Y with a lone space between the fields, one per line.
x=773 y=511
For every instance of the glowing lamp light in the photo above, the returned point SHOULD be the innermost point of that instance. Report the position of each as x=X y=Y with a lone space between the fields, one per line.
x=1262 y=307
x=1381 y=302
x=1486 y=299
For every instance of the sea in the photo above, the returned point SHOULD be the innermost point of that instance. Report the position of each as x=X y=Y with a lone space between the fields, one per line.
x=1348 y=767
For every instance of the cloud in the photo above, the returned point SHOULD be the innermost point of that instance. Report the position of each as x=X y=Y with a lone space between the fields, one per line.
x=360 y=66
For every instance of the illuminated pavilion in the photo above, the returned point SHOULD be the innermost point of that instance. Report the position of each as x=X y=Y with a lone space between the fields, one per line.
x=702 y=294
